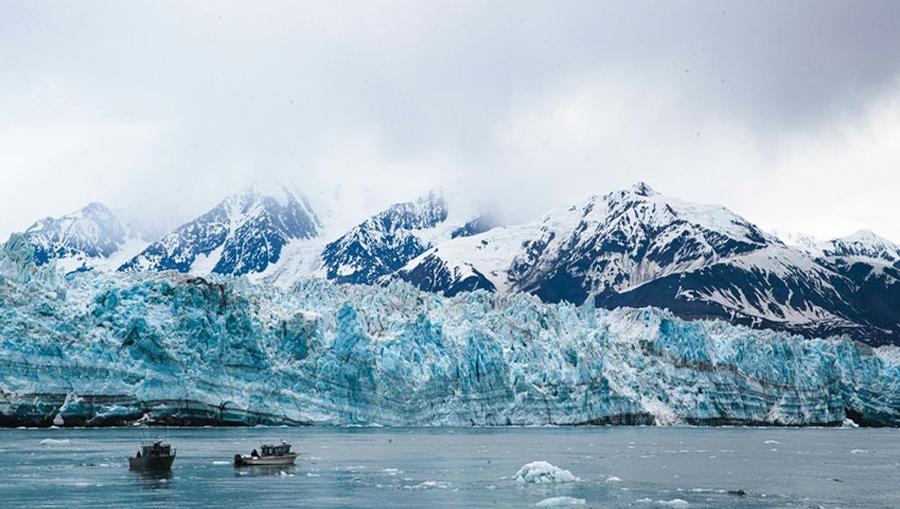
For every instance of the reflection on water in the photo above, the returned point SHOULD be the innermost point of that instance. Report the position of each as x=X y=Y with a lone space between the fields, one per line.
x=153 y=479
x=697 y=468
x=265 y=470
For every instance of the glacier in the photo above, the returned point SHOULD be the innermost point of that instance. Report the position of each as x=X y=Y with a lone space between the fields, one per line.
x=93 y=349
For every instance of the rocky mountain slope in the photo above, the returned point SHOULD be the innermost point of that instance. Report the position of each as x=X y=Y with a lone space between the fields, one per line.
x=92 y=237
x=244 y=233
x=639 y=248
x=389 y=239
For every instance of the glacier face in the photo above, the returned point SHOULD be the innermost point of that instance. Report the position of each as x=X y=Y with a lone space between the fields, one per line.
x=95 y=349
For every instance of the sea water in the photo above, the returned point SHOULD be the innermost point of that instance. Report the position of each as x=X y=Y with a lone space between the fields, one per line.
x=616 y=467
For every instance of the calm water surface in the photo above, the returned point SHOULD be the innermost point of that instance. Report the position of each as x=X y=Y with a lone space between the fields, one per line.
x=425 y=468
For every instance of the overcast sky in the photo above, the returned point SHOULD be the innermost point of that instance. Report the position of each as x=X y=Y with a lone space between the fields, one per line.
x=786 y=112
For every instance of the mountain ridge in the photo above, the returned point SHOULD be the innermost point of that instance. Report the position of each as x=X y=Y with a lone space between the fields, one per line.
x=638 y=248
x=243 y=233
x=633 y=247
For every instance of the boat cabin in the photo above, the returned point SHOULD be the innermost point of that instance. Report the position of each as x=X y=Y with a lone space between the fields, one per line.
x=275 y=450
x=156 y=449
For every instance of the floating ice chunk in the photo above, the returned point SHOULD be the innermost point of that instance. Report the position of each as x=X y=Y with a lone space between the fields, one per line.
x=560 y=501
x=859 y=452
x=614 y=479
x=540 y=472
x=675 y=502
x=221 y=463
x=429 y=485
x=55 y=441
x=849 y=424
x=770 y=442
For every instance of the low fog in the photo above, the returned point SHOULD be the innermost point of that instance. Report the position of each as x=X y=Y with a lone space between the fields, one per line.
x=787 y=113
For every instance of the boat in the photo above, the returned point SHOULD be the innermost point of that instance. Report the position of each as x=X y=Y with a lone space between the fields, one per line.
x=156 y=456
x=269 y=455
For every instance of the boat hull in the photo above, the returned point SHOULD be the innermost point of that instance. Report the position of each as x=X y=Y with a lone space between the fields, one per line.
x=151 y=463
x=266 y=461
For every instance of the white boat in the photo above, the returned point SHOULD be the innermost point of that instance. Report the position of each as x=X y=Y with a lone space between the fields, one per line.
x=269 y=455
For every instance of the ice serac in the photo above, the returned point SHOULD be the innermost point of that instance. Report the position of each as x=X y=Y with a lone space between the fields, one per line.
x=99 y=349
x=243 y=234
x=386 y=241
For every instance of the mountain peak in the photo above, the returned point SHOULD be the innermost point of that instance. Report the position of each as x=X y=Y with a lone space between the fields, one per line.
x=865 y=235
x=386 y=241
x=95 y=207
x=642 y=189
x=864 y=243
x=93 y=231
x=256 y=192
x=244 y=233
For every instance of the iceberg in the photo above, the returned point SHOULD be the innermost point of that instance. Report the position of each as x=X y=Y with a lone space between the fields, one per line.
x=94 y=349
x=541 y=472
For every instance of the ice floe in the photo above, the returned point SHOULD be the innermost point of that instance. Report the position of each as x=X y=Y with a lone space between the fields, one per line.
x=429 y=485
x=55 y=441
x=540 y=472
x=560 y=501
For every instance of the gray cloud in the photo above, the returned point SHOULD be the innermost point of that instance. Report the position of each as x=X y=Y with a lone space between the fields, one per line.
x=771 y=108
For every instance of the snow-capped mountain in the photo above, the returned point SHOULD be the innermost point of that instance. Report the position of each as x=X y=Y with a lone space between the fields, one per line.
x=93 y=231
x=386 y=241
x=245 y=233
x=606 y=243
x=863 y=243
x=633 y=247
x=94 y=236
x=639 y=248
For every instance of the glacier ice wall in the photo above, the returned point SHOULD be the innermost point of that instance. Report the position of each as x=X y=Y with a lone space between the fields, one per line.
x=102 y=349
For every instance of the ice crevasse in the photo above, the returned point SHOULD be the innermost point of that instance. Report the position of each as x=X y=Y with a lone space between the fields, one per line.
x=108 y=349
